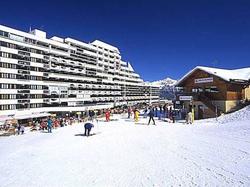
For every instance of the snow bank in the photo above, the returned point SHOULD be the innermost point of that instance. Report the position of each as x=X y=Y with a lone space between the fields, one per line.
x=240 y=115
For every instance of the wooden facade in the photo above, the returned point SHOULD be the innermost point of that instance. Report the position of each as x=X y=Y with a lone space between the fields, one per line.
x=212 y=95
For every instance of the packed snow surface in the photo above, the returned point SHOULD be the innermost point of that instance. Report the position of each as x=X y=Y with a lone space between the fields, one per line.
x=124 y=153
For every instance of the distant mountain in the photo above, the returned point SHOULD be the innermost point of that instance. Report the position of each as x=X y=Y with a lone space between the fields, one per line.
x=168 y=81
x=167 y=88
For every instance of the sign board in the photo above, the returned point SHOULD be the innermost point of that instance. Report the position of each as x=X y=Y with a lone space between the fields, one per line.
x=185 y=98
x=203 y=80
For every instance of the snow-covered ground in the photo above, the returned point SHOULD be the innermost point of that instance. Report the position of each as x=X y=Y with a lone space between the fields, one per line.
x=122 y=153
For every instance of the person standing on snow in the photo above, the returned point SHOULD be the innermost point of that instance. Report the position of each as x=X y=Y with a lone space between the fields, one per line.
x=88 y=127
x=91 y=115
x=49 y=125
x=145 y=113
x=151 y=116
x=18 y=128
x=189 y=117
x=129 y=112
x=22 y=129
x=137 y=115
x=107 y=115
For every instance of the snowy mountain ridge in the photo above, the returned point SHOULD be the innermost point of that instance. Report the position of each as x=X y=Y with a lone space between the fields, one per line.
x=167 y=88
x=167 y=81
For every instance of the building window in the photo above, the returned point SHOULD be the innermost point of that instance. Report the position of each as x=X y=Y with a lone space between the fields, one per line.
x=5 y=34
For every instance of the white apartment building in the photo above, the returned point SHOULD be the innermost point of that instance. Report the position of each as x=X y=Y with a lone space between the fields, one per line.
x=40 y=74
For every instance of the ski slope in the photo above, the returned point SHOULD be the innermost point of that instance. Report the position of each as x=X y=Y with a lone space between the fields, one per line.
x=122 y=153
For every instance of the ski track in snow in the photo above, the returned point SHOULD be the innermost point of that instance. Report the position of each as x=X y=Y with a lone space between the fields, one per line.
x=123 y=153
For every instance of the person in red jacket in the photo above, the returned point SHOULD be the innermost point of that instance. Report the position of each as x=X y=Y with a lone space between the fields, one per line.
x=107 y=115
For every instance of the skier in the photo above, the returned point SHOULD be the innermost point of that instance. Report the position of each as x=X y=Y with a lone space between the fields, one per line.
x=49 y=125
x=91 y=115
x=129 y=112
x=173 y=115
x=22 y=129
x=160 y=113
x=107 y=115
x=189 y=118
x=137 y=115
x=87 y=127
x=145 y=113
x=151 y=116
x=18 y=128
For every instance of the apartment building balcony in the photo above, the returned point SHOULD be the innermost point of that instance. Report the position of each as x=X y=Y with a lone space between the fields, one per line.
x=23 y=101
x=23 y=63
x=23 y=72
x=46 y=58
x=23 y=96
x=46 y=66
x=23 y=91
x=54 y=100
x=23 y=54
x=47 y=101
x=46 y=92
x=22 y=106
x=23 y=77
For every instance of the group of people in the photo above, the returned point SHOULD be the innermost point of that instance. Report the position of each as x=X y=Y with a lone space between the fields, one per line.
x=50 y=122
x=164 y=112
x=161 y=112
x=151 y=112
x=20 y=129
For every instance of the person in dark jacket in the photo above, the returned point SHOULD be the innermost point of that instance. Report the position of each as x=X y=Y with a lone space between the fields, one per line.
x=151 y=116
x=91 y=115
x=18 y=129
x=88 y=127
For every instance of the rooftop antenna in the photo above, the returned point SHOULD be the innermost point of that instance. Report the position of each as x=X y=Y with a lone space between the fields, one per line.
x=30 y=28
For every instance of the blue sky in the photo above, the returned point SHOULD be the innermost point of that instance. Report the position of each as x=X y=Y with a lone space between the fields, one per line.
x=160 y=38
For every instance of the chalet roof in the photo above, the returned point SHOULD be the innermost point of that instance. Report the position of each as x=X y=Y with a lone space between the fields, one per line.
x=225 y=74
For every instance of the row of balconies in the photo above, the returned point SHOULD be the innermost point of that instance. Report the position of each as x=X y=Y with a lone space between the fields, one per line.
x=67 y=69
x=93 y=86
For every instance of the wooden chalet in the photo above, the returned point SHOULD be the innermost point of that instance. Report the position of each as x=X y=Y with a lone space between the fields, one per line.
x=213 y=91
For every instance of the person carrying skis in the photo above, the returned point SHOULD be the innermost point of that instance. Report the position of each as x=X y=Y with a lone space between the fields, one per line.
x=88 y=127
x=151 y=116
